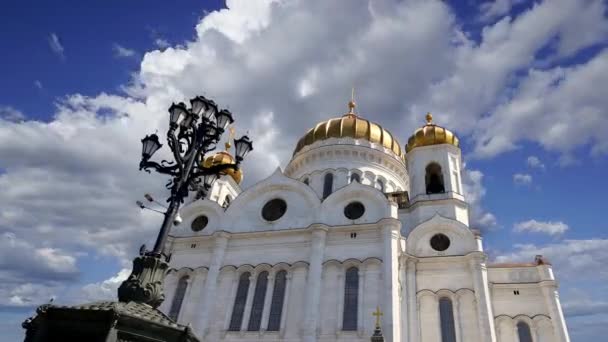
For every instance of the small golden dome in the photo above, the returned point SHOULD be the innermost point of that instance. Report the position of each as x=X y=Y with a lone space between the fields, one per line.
x=350 y=126
x=431 y=134
x=222 y=158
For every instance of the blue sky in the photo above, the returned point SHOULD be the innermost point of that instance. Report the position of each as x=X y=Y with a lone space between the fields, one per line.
x=81 y=83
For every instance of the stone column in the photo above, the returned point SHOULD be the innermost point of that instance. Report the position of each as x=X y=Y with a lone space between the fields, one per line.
x=340 y=296
x=361 y=303
x=457 y=317
x=430 y=330
x=267 y=302
x=285 y=305
x=390 y=274
x=313 y=284
x=412 y=301
x=209 y=290
x=549 y=289
x=485 y=316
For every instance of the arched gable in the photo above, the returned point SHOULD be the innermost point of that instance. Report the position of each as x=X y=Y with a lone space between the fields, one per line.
x=377 y=206
x=462 y=241
x=244 y=213
x=214 y=212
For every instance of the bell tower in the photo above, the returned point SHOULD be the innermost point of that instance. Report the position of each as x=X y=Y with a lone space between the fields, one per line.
x=434 y=165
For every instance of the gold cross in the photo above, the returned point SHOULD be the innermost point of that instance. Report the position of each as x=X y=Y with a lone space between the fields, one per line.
x=377 y=313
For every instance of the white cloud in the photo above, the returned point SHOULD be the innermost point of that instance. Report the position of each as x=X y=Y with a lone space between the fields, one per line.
x=11 y=114
x=581 y=259
x=38 y=84
x=522 y=179
x=474 y=192
x=55 y=45
x=492 y=9
x=535 y=163
x=161 y=43
x=121 y=51
x=548 y=227
x=70 y=183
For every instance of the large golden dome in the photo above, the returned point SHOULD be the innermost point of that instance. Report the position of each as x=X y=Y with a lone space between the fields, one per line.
x=350 y=126
x=431 y=134
x=222 y=158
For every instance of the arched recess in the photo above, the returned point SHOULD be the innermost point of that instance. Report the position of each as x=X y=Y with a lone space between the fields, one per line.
x=434 y=180
x=461 y=239
x=505 y=329
x=377 y=206
x=303 y=204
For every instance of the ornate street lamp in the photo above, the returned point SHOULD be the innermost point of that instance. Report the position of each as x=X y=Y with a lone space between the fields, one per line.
x=193 y=132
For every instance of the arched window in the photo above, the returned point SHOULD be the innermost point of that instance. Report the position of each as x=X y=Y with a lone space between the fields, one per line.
x=523 y=331
x=446 y=313
x=328 y=185
x=306 y=181
x=239 y=303
x=178 y=298
x=354 y=177
x=434 y=179
x=380 y=185
x=226 y=201
x=255 y=319
x=276 y=306
x=351 y=294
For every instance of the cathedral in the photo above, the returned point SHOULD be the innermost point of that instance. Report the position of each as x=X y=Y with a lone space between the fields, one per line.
x=354 y=222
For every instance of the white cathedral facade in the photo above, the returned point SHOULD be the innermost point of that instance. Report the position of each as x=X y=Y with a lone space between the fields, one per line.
x=352 y=223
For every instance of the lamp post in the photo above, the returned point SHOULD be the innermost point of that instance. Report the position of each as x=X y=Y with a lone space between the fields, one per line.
x=193 y=132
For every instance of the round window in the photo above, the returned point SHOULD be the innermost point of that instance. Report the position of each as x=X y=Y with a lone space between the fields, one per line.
x=440 y=242
x=354 y=210
x=274 y=209
x=199 y=223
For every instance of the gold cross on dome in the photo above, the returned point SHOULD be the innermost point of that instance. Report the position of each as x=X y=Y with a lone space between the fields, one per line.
x=378 y=314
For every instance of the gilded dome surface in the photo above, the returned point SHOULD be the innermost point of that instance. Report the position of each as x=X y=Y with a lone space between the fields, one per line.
x=222 y=158
x=431 y=134
x=350 y=126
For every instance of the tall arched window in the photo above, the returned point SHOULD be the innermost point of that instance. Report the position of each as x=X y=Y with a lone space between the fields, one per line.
x=227 y=200
x=239 y=303
x=446 y=314
x=523 y=331
x=351 y=294
x=178 y=298
x=276 y=306
x=354 y=177
x=255 y=319
x=328 y=185
x=380 y=184
x=434 y=179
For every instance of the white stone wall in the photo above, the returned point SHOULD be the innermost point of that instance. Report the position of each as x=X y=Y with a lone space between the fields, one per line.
x=315 y=243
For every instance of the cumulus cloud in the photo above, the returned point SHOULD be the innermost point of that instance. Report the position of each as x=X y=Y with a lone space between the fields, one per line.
x=522 y=179
x=492 y=9
x=535 y=163
x=11 y=114
x=474 y=192
x=70 y=183
x=581 y=259
x=122 y=52
x=548 y=227
x=56 y=46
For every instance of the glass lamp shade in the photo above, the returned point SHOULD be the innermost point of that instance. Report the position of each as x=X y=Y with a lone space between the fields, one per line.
x=149 y=145
x=242 y=147
x=209 y=179
x=198 y=104
x=187 y=120
x=177 y=112
x=223 y=119
x=210 y=109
